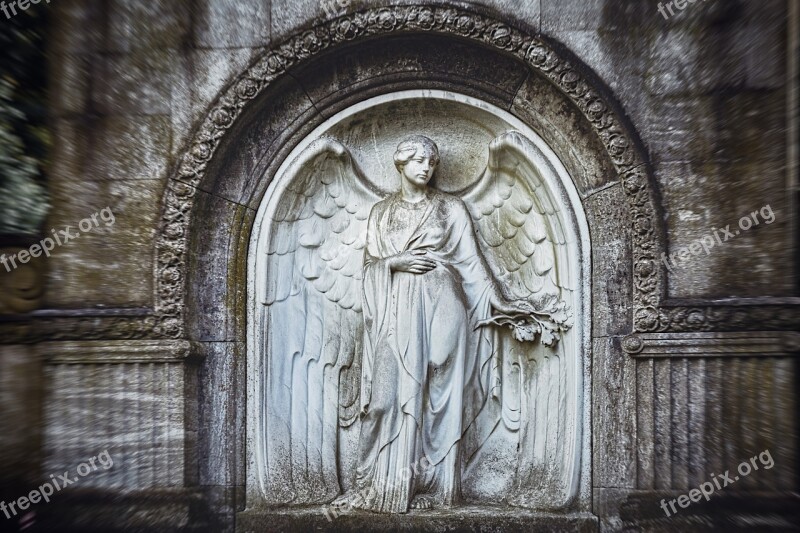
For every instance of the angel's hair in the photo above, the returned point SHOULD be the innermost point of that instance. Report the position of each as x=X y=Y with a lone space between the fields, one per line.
x=407 y=149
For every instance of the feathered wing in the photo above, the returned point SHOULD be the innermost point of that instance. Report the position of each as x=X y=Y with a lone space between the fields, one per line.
x=313 y=323
x=523 y=238
x=517 y=223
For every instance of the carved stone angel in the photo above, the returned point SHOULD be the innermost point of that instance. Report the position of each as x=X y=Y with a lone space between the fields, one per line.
x=419 y=276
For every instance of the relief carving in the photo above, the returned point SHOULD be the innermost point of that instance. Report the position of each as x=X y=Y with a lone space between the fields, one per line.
x=429 y=318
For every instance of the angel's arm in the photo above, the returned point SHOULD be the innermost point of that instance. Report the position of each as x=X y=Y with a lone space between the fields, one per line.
x=376 y=287
x=371 y=255
x=473 y=264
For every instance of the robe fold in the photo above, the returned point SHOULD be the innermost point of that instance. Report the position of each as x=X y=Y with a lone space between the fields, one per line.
x=426 y=370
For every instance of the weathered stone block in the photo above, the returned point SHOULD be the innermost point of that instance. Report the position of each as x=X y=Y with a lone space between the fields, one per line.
x=109 y=264
x=150 y=26
x=134 y=84
x=215 y=18
x=130 y=147
x=611 y=262
x=72 y=75
x=214 y=269
x=613 y=410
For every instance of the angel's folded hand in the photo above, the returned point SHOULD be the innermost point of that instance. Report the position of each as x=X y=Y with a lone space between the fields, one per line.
x=415 y=262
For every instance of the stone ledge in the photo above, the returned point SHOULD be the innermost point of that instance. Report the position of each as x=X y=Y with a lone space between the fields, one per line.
x=105 y=352
x=712 y=344
x=474 y=519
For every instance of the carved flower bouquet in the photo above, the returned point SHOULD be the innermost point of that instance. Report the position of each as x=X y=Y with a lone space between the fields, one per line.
x=547 y=324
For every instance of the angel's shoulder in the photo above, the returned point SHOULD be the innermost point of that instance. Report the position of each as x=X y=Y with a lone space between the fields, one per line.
x=451 y=202
x=380 y=206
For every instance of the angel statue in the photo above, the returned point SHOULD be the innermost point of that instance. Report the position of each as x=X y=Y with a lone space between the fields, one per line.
x=385 y=310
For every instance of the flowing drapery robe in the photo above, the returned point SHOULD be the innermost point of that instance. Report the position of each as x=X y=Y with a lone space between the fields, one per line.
x=425 y=369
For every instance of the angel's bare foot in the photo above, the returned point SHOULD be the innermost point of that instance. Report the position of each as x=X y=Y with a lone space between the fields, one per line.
x=344 y=500
x=422 y=502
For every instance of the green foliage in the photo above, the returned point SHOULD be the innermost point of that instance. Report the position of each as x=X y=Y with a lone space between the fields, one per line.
x=24 y=138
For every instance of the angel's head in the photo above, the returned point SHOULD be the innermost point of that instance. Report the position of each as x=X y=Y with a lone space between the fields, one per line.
x=416 y=159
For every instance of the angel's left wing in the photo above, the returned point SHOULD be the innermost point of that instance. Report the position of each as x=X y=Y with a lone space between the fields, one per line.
x=517 y=223
x=526 y=245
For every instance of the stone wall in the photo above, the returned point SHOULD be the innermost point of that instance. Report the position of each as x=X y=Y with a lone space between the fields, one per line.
x=705 y=95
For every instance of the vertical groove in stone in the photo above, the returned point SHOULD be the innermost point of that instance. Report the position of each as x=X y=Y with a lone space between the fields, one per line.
x=134 y=403
x=680 y=423
x=750 y=413
x=92 y=392
x=170 y=442
x=662 y=433
x=123 y=371
x=113 y=386
x=766 y=421
x=159 y=443
x=786 y=412
x=73 y=421
x=52 y=412
x=731 y=386
x=144 y=406
x=108 y=374
x=645 y=417
x=697 y=421
x=714 y=441
x=57 y=435
x=165 y=389
x=155 y=433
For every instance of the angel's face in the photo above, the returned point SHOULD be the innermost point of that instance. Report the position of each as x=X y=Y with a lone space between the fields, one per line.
x=419 y=169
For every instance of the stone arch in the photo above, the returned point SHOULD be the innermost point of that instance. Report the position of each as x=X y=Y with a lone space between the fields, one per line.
x=293 y=81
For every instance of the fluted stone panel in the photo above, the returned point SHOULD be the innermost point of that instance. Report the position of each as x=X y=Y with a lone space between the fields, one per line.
x=129 y=400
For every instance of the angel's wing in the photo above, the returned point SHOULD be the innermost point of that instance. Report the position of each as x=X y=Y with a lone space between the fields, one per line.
x=523 y=238
x=319 y=228
x=314 y=264
x=517 y=223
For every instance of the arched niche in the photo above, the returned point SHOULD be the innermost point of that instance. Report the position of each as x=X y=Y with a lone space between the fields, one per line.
x=536 y=443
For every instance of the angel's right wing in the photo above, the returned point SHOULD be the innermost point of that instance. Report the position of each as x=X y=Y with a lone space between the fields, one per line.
x=319 y=228
x=313 y=322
